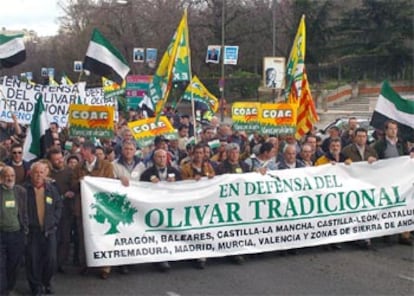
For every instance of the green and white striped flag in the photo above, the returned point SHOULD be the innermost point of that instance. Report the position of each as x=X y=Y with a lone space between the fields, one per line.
x=391 y=106
x=103 y=59
x=12 y=50
x=32 y=145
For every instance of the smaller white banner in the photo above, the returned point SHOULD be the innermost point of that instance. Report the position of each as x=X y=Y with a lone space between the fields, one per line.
x=20 y=98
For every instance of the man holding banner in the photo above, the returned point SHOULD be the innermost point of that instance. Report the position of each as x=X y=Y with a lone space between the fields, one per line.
x=161 y=172
x=389 y=147
x=196 y=169
x=233 y=165
x=90 y=166
x=128 y=166
x=360 y=151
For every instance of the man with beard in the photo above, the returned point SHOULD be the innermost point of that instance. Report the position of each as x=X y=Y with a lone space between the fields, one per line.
x=62 y=176
x=334 y=155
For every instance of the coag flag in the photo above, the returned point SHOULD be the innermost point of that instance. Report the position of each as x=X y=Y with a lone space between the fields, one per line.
x=245 y=116
x=198 y=92
x=182 y=65
x=52 y=81
x=161 y=84
x=297 y=87
x=391 y=106
x=12 y=50
x=277 y=118
x=91 y=121
x=65 y=80
x=103 y=59
x=296 y=63
x=145 y=130
x=111 y=88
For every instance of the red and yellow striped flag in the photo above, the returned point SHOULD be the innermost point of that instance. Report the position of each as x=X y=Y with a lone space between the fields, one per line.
x=307 y=115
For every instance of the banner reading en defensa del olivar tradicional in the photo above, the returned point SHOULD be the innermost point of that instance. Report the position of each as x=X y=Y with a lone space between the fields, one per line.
x=245 y=213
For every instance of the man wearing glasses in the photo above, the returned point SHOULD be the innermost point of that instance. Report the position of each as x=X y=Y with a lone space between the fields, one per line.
x=20 y=166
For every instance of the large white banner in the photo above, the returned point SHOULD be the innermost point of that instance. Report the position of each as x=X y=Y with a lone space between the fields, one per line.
x=19 y=97
x=245 y=213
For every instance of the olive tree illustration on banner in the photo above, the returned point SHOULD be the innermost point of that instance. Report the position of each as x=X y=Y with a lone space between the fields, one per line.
x=114 y=208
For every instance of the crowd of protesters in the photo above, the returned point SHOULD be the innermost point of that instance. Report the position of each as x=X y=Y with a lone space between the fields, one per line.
x=41 y=203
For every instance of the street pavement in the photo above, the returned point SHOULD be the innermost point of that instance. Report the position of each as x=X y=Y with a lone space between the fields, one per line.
x=388 y=270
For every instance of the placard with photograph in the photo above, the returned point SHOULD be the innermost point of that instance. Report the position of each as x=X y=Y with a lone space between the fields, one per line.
x=77 y=66
x=274 y=72
x=43 y=72
x=139 y=55
x=213 y=54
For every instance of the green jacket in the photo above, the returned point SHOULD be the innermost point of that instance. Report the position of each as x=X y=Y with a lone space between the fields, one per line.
x=381 y=145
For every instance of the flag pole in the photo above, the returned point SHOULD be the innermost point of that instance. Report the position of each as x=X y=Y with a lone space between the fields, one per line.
x=80 y=75
x=279 y=92
x=178 y=102
x=187 y=41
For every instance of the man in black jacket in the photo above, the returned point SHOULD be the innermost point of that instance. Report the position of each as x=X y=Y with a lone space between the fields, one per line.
x=388 y=147
x=161 y=172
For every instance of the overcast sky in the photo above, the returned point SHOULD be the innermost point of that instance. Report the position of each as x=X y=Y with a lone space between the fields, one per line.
x=38 y=15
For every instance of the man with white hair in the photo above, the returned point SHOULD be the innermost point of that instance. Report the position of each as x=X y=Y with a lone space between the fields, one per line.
x=128 y=167
x=44 y=205
x=289 y=160
x=160 y=171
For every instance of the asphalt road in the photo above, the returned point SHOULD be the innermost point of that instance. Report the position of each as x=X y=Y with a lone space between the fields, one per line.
x=389 y=270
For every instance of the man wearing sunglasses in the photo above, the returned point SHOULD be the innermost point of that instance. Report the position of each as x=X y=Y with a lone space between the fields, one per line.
x=20 y=166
